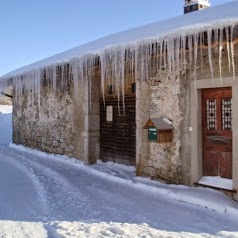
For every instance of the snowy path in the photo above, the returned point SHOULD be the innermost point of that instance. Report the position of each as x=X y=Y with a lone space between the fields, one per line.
x=45 y=195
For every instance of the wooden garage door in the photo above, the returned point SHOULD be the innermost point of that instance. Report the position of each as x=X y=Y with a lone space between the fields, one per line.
x=217 y=132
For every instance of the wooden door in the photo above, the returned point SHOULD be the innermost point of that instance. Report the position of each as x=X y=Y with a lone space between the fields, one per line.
x=118 y=135
x=217 y=132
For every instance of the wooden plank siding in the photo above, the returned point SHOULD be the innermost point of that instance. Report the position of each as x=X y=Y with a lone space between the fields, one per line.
x=118 y=137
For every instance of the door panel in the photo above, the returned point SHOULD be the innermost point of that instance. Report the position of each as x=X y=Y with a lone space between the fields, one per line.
x=226 y=165
x=211 y=164
x=118 y=135
x=217 y=132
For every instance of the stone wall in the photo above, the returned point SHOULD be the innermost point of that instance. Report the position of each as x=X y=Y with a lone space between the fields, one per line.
x=47 y=126
x=171 y=96
x=163 y=160
x=58 y=122
x=5 y=100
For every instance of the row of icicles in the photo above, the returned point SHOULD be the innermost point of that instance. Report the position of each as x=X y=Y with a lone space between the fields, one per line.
x=171 y=54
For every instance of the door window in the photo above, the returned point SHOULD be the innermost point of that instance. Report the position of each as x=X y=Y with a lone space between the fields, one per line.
x=211 y=114
x=226 y=114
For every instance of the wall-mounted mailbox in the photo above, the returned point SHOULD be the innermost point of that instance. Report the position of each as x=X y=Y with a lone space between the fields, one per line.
x=159 y=130
x=152 y=133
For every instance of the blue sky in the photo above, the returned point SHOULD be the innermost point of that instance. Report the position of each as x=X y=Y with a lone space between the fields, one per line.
x=35 y=29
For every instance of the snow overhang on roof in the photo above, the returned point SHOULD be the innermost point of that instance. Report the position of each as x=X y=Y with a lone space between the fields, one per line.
x=184 y=25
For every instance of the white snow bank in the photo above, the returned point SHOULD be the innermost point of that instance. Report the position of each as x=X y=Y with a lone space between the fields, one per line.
x=188 y=24
x=197 y=196
x=5 y=109
x=120 y=230
x=217 y=182
x=22 y=229
x=5 y=124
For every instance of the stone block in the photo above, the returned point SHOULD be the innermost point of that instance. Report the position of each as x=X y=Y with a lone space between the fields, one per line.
x=55 y=144
x=63 y=145
x=59 y=151
x=72 y=148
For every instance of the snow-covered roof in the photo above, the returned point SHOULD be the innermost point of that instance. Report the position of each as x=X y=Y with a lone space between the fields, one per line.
x=218 y=16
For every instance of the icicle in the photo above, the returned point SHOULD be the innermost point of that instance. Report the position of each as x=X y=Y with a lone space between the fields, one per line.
x=232 y=53
x=62 y=77
x=165 y=53
x=91 y=67
x=156 y=56
x=132 y=60
x=170 y=55
x=117 y=72
x=123 y=78
x=216 y=40
x=190 y=51
x=160 y=56
x=201 y=37
x=54 y=77
x=81 y=68
x=90 y=92
x=195 y=42
x=146 y=60
x=181 y=53
x=38 y=79
x=119 y=77
x=136 y=63
x=110 y=73
x=144 y=55
x=47 y=75
x=173 y=55
x=141 y=64
x=103 y=78
x=177 y=52
x=129 y=60
x=228 y=48
x=89 y=80
x=142 y=59
x=36 y=85
x=184 y=52
x=150 y=60
x=220 y=53
x=86 y=69
x=209 y=38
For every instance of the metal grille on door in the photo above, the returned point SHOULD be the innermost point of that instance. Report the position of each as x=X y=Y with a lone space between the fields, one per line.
x=226 y=114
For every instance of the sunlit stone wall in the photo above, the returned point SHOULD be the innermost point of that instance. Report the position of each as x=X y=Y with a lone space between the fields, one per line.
x=170 y=96
x=59 y=123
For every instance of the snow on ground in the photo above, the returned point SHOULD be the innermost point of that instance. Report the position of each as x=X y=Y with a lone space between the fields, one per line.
x=5 y=124
x=62 y=197
x=5 y=109
x=44 y=195
x=217 y=181
x=121 y=230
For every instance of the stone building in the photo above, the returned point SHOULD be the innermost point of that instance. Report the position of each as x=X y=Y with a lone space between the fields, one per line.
x=162 y=97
